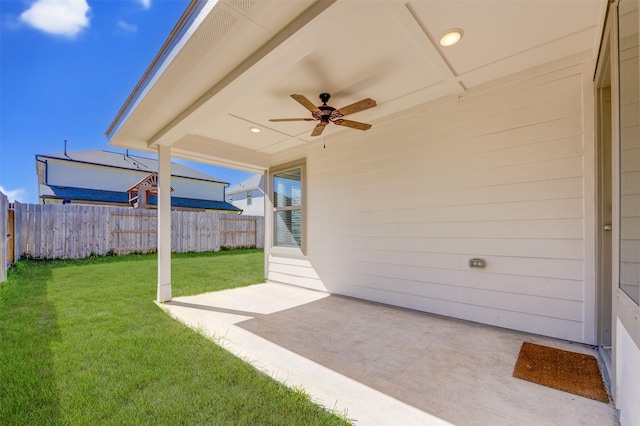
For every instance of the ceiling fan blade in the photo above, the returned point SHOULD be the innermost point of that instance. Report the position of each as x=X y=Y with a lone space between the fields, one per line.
x=302 y=100
x=353 y=124
x=291 y=119
x=317 y=131
x=358 y=106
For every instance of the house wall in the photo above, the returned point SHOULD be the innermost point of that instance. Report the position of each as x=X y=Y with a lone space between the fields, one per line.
x=256 y=208
x=198 y=189
x=78 y=175
x=627 y=377
x=395 y=213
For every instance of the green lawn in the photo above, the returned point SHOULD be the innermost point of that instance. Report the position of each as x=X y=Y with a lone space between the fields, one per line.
x=81 y=342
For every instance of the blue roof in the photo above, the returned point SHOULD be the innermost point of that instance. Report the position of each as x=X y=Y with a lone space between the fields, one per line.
x=196 y=204
x=84 y=194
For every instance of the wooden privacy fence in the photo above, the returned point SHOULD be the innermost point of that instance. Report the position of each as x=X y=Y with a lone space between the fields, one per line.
x=4 y=236
x=70 y=231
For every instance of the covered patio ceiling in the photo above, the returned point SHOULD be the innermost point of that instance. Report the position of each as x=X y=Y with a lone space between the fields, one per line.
x=231 y=65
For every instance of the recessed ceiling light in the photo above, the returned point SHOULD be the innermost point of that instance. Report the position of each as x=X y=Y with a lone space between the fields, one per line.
x=451 y=37
x=255 y=129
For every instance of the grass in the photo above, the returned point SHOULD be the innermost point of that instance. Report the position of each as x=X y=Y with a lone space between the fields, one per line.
x=81 y=342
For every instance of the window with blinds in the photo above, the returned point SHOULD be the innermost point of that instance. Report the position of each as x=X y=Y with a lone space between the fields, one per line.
x=287 y=196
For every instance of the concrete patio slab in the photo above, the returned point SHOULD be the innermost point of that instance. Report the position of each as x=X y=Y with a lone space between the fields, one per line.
x=384 y=365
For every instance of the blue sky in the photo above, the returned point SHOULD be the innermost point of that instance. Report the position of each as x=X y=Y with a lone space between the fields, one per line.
x=66 y=68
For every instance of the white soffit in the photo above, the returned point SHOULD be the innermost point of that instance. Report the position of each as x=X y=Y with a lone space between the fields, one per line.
x=385 y=50
x=505 y=37
x=231 y=31
x=350 y=52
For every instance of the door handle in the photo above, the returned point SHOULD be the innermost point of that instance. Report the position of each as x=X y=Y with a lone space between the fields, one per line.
x=607 y=227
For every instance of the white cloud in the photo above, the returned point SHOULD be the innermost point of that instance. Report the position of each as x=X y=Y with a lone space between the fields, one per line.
x=60 y=17
x=131 y=28
x=145 y=3
x=19 y=195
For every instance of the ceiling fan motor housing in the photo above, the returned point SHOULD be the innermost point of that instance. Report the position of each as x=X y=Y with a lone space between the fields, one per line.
x=326 y=113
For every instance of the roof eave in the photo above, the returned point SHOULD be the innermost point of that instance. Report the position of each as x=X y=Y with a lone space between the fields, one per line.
x=91 y=163
x=176 y=35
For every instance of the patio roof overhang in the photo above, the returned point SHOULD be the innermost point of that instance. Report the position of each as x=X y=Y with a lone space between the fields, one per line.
x=231 y=65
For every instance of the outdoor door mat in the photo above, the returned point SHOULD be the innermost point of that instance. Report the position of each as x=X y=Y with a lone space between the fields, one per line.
x=563 y=370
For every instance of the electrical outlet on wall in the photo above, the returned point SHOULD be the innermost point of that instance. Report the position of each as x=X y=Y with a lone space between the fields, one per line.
x=477 y=263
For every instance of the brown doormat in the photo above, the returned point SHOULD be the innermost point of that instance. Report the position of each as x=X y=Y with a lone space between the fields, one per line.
x=563 y=370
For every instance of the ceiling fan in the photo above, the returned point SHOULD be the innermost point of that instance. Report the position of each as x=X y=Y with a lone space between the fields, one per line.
x=326 y=114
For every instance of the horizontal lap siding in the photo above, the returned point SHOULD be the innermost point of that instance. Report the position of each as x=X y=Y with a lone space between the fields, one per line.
x=294 y=271
x=78 y=175
x=395 y=214
x=197 y=189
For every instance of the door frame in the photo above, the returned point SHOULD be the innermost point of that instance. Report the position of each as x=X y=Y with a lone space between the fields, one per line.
x=604 y=211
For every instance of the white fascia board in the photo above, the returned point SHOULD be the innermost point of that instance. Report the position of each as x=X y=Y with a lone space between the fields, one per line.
x=164 y=58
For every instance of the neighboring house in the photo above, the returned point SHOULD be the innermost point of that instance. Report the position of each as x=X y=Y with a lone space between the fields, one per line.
x=518 y=146
x=104 y=178
x=248 y=195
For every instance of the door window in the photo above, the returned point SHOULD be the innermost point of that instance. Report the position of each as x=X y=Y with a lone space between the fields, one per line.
x=629 y=65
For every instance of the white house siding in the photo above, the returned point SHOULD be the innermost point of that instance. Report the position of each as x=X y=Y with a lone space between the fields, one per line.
x=256 y=208
x=299 y=272
x=79 y=175
x=395 y=213
x=201 y=190
x=627 y=377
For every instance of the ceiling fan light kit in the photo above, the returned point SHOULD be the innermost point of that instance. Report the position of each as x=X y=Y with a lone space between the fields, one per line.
x=326 y=114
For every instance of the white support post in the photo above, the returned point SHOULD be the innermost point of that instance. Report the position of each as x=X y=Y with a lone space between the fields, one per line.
x=268 y=220
x=164 y=224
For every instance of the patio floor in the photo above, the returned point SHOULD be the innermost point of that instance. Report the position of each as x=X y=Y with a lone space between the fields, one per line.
x=383 y=365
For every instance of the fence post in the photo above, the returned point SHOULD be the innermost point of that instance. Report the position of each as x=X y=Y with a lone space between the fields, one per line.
x=4 y=218
x=11 y=243
x=259 y=231
x=216 y=232
x=17 y=230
